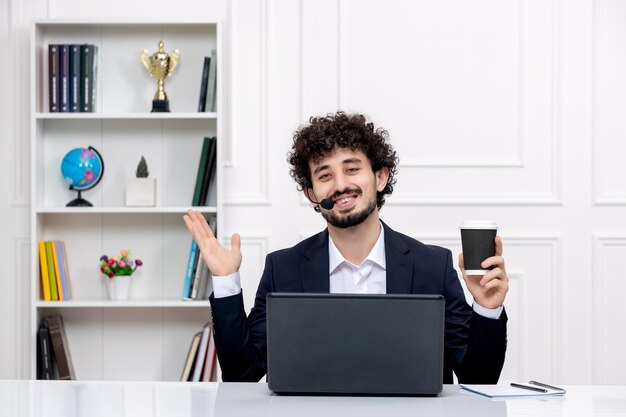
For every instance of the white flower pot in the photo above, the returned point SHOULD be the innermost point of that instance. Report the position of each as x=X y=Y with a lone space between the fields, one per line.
x=141 y=192
x=118 y=287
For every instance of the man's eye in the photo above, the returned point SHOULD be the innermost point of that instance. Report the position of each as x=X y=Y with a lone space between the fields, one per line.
x=324 y=177
x=353 y=170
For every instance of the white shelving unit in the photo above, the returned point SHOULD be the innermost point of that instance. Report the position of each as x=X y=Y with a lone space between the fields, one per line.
x=146 y=337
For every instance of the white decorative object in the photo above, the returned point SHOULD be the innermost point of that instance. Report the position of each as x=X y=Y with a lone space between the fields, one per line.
x=141 y=192
x=118 y=287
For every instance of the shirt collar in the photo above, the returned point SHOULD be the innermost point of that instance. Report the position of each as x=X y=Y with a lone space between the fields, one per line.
x=376 y=255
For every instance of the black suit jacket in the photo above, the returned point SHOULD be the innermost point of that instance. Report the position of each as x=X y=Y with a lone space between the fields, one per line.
x=474 y=345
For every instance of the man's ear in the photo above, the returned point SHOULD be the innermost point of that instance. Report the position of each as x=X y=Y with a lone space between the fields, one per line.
x=308 y=192
x=382 y=176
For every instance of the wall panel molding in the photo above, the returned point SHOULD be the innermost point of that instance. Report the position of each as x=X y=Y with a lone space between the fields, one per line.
x=603 y=323
x=603 y=132
x=238 y=143
x=500 y=167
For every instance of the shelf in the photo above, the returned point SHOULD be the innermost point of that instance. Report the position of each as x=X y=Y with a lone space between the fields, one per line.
x=133 y=303
x=126 y=116
x=122 y=210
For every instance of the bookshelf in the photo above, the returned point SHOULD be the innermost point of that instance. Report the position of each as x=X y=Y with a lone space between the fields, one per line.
x=147 y=336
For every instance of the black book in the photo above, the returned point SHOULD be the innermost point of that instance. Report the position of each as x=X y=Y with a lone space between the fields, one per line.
x=203 y=84
x=208 y=173
x=64 y=78
x=74 y=78
x=45 y=368
x=53 y=77
x=87 y=77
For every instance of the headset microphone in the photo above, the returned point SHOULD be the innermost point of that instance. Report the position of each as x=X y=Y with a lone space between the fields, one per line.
x=327 y=204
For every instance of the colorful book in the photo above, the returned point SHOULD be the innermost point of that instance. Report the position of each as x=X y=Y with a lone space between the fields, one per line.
x=60 y=347
x=212 y=85
x=201 y=355
x=201 y=169
x=62 y=269
x=203 y=84
x=66 y=271
x=64 y=78
x=209 y=363
x=195 y=286
x=53 y=77
x=191 y=355
x=191 y=263
x=74 y=78
x=57 y=272
x=54 y=293
x=43 y=265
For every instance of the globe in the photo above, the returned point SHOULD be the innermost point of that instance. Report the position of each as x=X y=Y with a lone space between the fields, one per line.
x=82 y=169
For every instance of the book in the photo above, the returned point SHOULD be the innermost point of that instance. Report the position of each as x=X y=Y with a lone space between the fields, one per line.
x=201 y=168
x=212 y=84
x=508 y=391
x=195 y=286
x=66 y=271
x=87 y=75
x=53 y=77
x=74 y=78
x=209 y=363
x=64 y=78
x=54 y=293
x=45 y=368
x=209 y=170
x=57 y=272
x=191 y=355
x=60 y=347
x=201 y=355
x=191 y=262
x=62 y=272
x=43 y=266
x=203 y=282
x=203 y=84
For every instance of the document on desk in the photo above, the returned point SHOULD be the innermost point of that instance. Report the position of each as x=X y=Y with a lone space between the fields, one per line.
x=507 y=391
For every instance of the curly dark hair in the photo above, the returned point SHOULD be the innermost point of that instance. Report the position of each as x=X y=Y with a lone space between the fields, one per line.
x=324 y=134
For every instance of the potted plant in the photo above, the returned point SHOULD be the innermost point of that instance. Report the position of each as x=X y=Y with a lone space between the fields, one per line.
x=118 y=270
x=141 y=190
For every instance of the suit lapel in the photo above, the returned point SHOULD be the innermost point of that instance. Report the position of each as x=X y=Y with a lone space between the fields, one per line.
x=314 y=269
x=399 y=264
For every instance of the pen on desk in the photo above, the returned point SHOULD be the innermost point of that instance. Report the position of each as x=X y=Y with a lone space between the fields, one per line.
x=513 y=384
x=541 y=384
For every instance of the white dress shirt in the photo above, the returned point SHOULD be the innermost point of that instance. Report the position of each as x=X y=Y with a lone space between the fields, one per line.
x=345 y=277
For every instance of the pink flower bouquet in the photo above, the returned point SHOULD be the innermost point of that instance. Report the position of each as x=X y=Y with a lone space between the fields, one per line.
x=119 y=265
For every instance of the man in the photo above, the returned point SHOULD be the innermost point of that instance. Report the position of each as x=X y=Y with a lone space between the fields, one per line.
x=343 y=159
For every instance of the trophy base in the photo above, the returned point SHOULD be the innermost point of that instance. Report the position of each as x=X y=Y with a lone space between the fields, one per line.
x=160 y=106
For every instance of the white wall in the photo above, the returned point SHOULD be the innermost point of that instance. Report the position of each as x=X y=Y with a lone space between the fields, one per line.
x=507 y=110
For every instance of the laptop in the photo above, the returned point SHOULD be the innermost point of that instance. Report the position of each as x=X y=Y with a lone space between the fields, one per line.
x=359 y=344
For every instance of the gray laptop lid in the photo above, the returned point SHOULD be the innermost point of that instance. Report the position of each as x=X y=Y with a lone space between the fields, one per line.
x=355 y=343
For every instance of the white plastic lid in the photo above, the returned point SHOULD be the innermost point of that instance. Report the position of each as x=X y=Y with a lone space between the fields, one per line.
x=478 y=224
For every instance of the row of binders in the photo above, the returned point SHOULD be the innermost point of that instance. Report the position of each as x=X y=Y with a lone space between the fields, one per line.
x=198 y=284
x=53 y=352
x=200 y=364
x=54 y=271
x=72 y=71
x=208 y=84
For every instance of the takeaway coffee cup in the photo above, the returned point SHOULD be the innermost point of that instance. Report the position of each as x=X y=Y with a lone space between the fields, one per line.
x=477 y=239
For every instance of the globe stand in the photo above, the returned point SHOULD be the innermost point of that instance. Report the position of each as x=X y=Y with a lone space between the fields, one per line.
x=79 y=201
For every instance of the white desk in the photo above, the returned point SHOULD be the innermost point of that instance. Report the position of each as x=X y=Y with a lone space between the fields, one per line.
x=139 y=399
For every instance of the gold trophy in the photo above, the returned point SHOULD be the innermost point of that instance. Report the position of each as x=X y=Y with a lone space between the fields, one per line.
x=160 y=66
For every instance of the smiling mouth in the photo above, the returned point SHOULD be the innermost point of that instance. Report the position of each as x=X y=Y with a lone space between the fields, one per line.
x=344 y=202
